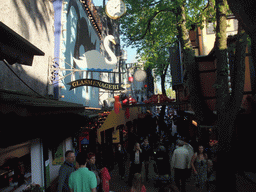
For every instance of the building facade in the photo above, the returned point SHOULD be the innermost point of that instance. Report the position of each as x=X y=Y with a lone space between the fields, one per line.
x=34 y=21
x=80 y=51
x=203 y=44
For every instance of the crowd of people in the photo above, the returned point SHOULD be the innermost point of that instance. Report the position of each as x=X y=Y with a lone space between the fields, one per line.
x=175 y=161
x=85 y=176
x=182 y=162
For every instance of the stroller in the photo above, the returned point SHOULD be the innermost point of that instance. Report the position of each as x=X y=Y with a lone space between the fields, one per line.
x=161 y=166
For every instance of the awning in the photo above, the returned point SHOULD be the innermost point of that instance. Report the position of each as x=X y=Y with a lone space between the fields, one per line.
x=25 y=117
x=16 y=49
x=24 y=104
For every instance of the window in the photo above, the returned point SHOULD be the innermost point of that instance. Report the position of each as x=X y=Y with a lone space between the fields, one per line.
x=15 y=171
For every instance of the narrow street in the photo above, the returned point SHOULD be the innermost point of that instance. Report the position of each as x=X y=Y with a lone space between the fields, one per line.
x=119 y=185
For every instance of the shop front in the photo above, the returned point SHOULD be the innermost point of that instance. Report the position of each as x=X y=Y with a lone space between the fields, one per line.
x=32 y=130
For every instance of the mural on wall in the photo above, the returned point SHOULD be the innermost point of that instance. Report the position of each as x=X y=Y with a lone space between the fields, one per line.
x=79 y=39
x=81 y=36
x=93 y=60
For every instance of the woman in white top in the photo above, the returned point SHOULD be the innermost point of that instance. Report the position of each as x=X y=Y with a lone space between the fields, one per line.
x=136 y=160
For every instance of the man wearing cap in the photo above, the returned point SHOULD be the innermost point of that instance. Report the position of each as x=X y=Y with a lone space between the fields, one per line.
x=180 y=163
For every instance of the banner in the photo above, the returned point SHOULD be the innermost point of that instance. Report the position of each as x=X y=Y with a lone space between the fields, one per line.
x=95 y=83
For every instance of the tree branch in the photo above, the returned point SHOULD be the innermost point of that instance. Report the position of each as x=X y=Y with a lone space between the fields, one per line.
x=149 y=24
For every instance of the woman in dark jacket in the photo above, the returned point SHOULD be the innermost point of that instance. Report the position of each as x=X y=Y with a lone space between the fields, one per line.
x=121 y=159
x=136 y=160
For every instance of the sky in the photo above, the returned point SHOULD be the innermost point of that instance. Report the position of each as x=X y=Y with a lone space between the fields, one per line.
x=131 y=52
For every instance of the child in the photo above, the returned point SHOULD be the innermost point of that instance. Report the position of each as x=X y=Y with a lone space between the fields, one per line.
x=105 y=179
x=137 y=185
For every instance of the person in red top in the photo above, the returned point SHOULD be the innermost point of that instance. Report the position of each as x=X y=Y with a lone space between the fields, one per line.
x=105 y=179
x=137 y=185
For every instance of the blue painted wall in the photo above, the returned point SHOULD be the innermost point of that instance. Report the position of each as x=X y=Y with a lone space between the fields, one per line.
x=77 y=35
x=57 y=5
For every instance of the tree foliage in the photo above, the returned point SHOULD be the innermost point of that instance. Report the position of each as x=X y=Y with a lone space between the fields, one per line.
x=151 y=27
x=152 y=20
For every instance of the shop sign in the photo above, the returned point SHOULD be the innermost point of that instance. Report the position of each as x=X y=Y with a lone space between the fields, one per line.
x=95 y=83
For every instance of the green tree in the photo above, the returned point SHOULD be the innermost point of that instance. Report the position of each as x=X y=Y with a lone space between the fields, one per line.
x=153 y=26
x=145 y=26
x=159 y=61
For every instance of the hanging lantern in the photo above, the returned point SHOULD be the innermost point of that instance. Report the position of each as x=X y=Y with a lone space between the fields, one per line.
x=145 y=86
x=140 y=75
x=117 y=104
x=130 y=79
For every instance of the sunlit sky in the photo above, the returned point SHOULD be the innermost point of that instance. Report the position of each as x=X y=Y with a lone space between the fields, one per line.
x=131 y=53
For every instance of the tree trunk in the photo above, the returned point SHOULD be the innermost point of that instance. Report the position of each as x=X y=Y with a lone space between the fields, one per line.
x=150 y=82
x=227 y=105
x=202 y=112
x=162 y=112
x=163 y=83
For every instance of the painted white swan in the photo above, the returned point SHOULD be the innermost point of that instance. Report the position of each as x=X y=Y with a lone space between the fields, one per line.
x=93 y=60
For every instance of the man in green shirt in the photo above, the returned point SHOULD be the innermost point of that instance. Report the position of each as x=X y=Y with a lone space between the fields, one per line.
x=82 y=180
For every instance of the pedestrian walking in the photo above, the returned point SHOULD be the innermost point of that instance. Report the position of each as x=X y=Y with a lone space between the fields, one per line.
x=132 y=139
x=136 y=160
x=137 y=185
x=180 y=161
x=105 y=179
x=162 y=166
x=92 y=167
x=121 y=155
x=82 y=180
x=147 y=152
x=200 y=166
x=65 y=170
x=191 y=153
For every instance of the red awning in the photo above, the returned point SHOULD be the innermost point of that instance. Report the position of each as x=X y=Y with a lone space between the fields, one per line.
x=159 y=98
